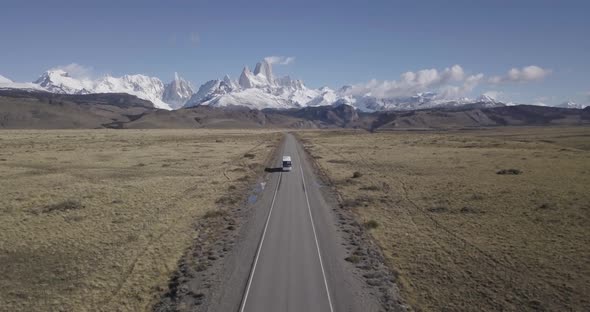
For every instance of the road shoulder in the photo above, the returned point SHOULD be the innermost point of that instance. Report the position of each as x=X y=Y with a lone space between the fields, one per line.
x=213 y=272
x=362 y=255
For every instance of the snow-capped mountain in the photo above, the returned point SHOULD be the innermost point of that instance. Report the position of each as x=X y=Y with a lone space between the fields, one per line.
x=165 y=96
x=59 y=81
x=258 y=90
x=6 y=83
x=571 y=104
x=423 y=100
x=212 y=89
x=144 y=87
x=177 y=92
x=4 y=80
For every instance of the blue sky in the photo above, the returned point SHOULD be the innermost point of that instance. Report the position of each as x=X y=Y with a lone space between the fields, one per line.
x=333 y=43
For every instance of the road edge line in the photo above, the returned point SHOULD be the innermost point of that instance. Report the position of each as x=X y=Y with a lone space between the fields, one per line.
x=251 y=277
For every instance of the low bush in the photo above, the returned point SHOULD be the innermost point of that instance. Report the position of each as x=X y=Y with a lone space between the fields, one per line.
x=438 y=209
x=63 y=206
x=370 y=188
x=214 y=214
x=509 y=171
x=353 y=259
x=371 y=224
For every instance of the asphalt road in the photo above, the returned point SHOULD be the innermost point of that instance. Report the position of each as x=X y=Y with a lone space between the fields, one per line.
x=290 y=254
x=299 y=263
x=288 y=272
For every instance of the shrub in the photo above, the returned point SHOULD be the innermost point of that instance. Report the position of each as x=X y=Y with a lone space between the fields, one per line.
x=509 y=171
x=545 y=206
x=438 y=209
x=356 y=175
x=249 y=155
x=468 y=209
x=353 y=259
x=63 y=206
x=371 y=224
x=214 y=214
x=370 y=188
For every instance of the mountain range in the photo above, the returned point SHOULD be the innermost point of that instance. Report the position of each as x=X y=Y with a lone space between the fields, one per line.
x=258 y=89
x=165 y=96
x=35 y=109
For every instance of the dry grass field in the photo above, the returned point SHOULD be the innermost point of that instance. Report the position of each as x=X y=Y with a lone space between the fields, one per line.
x=486 y=220
x=96 y=220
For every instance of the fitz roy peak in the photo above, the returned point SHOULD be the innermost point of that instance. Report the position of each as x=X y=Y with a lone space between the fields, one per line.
x=259 y=90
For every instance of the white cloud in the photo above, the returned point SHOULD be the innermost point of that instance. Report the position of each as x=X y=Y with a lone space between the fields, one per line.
x=525 y=74
x=453 y=92
x=280 y=60
x=449 y=82
x=77 y=71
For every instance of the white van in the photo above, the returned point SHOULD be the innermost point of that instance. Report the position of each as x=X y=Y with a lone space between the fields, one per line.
x=286 y=163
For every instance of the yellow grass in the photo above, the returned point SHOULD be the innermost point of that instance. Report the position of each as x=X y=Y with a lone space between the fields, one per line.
x=97 y=219
x=458 y=235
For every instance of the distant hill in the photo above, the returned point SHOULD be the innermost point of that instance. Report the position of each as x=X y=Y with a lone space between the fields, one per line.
x=28 y=109
x=341 y=116
x=469 y=117
x=24 y=109
x=211 y=117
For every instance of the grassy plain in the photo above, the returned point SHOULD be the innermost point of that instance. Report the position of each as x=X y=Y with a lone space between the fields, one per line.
x=96 y=220
x=460 y=229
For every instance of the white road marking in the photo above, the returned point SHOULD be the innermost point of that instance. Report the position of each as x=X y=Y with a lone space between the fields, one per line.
x=315 y=235
x=260 y=246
